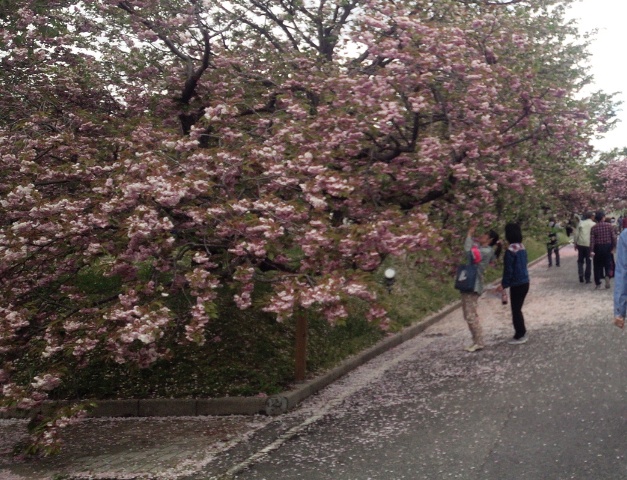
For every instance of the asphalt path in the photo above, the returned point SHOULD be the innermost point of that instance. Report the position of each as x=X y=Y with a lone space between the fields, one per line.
x=554 y=408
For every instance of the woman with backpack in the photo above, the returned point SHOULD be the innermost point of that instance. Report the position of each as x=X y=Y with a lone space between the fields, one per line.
x=482 y=254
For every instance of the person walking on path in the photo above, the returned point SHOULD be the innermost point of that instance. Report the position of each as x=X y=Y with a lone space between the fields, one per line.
x=571 y=224
x=582 y=245
x=470 y=300
x=620 y=280
x=516 y=278
x=551 y=244
x=602 y=245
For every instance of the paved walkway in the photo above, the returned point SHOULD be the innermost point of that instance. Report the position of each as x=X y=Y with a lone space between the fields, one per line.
x=194 y=447
x=551 y=409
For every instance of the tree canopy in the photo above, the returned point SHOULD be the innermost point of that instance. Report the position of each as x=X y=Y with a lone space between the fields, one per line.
x=183 y=148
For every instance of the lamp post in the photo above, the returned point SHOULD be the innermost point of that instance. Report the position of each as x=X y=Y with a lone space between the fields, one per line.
x=389 y=275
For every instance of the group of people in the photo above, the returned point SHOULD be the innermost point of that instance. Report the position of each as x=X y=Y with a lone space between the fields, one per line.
x=515 y=277
x=602 y=244
x=595 y=242
x=603 y=240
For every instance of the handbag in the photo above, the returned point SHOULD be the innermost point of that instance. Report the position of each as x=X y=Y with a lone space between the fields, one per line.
x=466 y=276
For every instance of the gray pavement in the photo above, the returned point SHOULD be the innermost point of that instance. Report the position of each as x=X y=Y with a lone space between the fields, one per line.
x=549 y=409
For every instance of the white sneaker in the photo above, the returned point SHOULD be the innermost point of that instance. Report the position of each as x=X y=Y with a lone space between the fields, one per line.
x=474 y=347
x=519 y=341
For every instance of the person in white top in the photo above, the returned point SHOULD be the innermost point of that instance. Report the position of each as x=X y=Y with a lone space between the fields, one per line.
x=582 y=245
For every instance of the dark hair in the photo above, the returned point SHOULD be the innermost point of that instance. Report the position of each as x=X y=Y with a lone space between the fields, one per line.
x=599 y=215
x=494 y=240
x=513 y=233
x=587 y=215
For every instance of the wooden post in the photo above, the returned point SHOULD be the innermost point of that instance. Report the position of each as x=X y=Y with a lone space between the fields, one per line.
x=301 y=346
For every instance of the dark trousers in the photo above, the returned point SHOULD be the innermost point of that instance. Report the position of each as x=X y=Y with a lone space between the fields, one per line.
x=583 y=256
x=517 y=296
x=602 y=262
x=550 y=250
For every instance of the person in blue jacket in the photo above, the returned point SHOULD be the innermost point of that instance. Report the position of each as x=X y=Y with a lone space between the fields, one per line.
x=620 y=280
x=516 y=278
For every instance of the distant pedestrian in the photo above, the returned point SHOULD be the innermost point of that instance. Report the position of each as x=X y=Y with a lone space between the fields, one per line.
x=616 y=231
x=570 y=225
x=552 y=246
x=470 y=300
x=516 y=278
x=602 y=245
x=582 y=245
x=569 y=228
x=620 y=281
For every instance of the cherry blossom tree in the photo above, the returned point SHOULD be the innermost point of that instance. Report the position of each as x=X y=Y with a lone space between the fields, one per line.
x=190 y=149
x=612 y=175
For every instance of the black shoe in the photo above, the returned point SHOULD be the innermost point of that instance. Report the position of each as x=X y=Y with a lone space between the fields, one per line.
x=580 y=279
x=587 y=281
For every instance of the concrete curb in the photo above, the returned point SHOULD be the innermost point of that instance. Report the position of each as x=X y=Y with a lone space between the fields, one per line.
x=273 y=405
